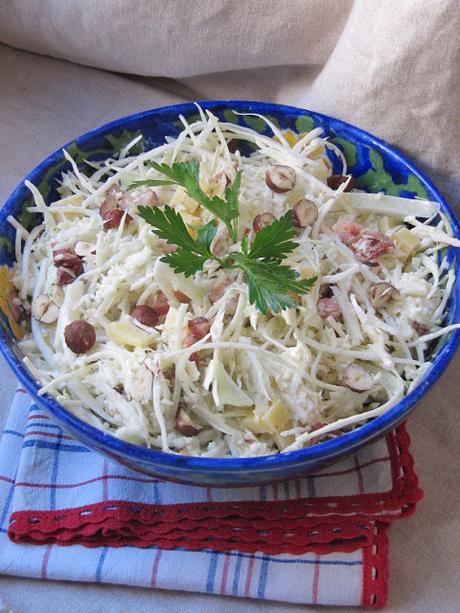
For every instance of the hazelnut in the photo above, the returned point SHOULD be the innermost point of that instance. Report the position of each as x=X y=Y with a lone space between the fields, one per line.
x=305 y=213
x=280 y=179
x=262 y=220
x=44 y=309
x=79 y=336
x=357 y=378
x=335 y=181
x=145 y=315
x=381 y=293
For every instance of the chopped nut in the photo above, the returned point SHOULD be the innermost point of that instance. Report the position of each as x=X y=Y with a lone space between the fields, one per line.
x=262 y=220
x=181 y=297
x=305 y=213
x=161 y=304
x=329 y=307
x=220 y=176
x=16 y=308
x=145 y=315
x=335 y=181
x=280 y=179
x=82 y=248
x=185 y=425
x=44 y=309
x=382 y=293
x=68 y=258
x=357 y=378
x=80 y=336
x=114 y=217
x=57 y=294
x=147 y=198
x=421 y=329
x=65 y=276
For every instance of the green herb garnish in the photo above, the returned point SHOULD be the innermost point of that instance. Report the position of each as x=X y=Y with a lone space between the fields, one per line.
x=271 y=284
x=187 y=174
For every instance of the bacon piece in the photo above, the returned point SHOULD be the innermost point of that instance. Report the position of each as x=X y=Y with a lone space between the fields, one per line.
x=348 y=231
x=329 y=306
x=371 y=245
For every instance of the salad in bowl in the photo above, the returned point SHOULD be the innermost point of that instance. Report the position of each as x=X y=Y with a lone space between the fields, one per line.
x=228 y=293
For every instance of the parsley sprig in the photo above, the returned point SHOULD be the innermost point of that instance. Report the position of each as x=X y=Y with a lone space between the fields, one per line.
x=187 y=174
x=272 y=285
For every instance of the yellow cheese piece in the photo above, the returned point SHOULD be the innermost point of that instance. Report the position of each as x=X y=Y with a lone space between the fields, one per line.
x=6 y=287
x=276 y=419
x=406 y=241
x=126 y=333
x=190 y=205
x=306 y=272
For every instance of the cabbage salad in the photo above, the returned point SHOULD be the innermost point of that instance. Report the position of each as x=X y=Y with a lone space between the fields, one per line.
x=203 y=302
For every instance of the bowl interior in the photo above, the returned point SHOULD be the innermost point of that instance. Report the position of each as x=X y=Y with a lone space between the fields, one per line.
x=376 y=166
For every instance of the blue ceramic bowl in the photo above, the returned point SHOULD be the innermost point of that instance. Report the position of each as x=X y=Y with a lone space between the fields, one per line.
x=376 y=166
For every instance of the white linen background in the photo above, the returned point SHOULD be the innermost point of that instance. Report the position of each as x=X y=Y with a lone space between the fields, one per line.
x=390 y=67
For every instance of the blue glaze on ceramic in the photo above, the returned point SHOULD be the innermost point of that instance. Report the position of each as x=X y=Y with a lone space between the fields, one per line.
x=376 y=165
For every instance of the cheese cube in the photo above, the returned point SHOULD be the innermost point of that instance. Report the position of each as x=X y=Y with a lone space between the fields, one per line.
x=126 y=333
x=406 y=241
x=276 y=419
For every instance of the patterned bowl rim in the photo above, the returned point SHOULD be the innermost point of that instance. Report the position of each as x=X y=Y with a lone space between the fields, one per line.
x=321 y=451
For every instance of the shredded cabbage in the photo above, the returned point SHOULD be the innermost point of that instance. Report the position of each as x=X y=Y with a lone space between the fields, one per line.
x=263 y=384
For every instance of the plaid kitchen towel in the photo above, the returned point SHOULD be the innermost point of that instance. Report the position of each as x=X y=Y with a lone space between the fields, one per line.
x=315 y=540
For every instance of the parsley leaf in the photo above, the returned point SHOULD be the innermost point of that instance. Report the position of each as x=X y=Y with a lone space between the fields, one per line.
x=274 y=242
x=191 y=254
x=271 y=285
x=187 y=174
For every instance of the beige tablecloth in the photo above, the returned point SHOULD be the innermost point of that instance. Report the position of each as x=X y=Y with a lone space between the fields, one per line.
x=390 y=67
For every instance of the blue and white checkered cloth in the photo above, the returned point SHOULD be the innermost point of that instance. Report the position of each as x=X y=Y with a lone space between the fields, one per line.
x=43 y=469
